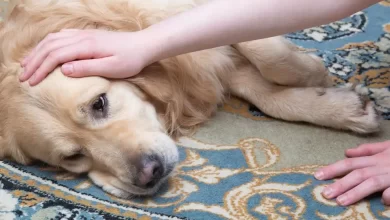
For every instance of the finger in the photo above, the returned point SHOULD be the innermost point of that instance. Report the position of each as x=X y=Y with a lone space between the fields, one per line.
x=41 y=55
x=345 y=166
x=48 y=38
x=80 y=50
x=386 y=197
x=368 y=187
x=351 y=180
x=94 y=67
x=368 y=149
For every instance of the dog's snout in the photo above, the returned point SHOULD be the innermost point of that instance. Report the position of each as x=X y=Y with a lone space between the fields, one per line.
x=151 y=170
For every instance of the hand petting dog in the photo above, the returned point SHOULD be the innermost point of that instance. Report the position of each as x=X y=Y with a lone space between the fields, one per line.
x=88 y=53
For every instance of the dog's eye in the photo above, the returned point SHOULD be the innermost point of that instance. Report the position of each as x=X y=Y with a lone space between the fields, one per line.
x=100 y=103
x=99 y=106
x=74 y=157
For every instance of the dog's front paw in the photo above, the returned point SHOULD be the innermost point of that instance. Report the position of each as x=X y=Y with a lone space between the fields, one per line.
x=116 y=192
x=355 y=113
x=106 y=183
x=365 y=123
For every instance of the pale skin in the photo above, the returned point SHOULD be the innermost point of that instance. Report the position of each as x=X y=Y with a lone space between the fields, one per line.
x=366 y=169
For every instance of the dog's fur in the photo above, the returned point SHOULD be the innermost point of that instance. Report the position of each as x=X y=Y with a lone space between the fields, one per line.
x=53 y=121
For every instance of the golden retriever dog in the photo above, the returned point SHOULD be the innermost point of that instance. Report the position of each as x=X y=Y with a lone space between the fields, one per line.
x=122 y=132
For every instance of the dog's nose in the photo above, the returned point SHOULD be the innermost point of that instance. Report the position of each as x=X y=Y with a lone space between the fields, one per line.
x=150 y=172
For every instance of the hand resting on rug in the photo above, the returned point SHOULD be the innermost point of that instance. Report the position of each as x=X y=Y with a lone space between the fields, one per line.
x=366 y=170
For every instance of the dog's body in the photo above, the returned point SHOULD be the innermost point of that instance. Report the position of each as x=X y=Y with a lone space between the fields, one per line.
x=129 y=144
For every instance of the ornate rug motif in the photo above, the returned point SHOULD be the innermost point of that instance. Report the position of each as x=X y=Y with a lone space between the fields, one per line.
x=215 y=180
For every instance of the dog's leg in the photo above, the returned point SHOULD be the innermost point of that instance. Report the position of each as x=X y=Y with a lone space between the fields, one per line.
x=336 y=108
x=280 y=62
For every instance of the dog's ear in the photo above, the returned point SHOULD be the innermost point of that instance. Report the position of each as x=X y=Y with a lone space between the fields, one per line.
x=172 y=86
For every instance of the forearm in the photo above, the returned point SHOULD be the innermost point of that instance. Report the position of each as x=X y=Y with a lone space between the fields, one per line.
x=224 y=22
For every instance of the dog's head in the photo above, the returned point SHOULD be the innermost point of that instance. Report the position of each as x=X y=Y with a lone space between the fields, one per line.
x=91 y=125
x=108 y=129
x=118 y=131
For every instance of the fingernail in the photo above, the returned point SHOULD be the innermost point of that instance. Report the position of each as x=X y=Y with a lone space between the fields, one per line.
x=67 y=69
x=342 y=200
x=319 y=175
x=32 y=80
x=328 y=191
x=21 y=77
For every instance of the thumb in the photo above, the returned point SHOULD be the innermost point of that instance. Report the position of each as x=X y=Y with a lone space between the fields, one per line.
x=91 y=67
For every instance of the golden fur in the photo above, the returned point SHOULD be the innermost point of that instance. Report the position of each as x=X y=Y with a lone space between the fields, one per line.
x=166 y=100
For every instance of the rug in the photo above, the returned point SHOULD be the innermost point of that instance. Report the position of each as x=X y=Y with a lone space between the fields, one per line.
x=242 y=164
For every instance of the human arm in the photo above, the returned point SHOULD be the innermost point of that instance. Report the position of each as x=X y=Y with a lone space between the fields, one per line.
x=213 y=24
x=225 y=22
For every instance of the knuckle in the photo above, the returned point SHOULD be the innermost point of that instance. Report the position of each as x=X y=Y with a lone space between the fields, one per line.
x=370 y=150
x=329 y=170
x=46 y=47
x=348 y=163
x=339 y=185
x=53 y=56
x=367 y=151
x=90 y=44
x=78 y=67
x=360 y=175
x=376 y=182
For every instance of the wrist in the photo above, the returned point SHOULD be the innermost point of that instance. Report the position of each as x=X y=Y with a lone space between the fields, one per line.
x=156 y=45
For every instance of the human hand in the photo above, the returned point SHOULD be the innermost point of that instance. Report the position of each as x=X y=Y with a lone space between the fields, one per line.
x=88 y=53
x=368 y=172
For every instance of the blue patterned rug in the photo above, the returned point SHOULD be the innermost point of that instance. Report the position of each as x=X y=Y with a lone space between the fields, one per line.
x=236 y=174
